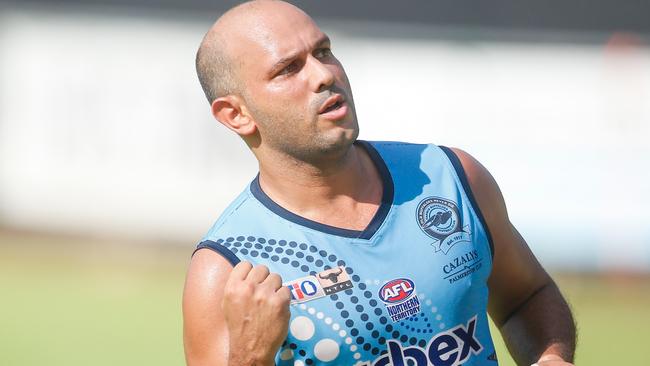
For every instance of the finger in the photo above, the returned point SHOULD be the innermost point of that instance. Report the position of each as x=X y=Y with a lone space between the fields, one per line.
x=284 y=293
x=240 y=271
x=273 y=281
x=258 y=274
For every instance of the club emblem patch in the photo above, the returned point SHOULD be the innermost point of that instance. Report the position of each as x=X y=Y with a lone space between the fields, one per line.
x=439 y=218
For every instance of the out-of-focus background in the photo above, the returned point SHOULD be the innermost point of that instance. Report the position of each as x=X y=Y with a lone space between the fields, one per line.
x=111 y=167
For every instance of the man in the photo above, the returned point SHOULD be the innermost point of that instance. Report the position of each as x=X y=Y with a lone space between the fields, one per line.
x=386 y=251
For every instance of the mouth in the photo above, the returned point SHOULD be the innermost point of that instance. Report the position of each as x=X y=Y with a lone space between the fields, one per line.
x=331 y=104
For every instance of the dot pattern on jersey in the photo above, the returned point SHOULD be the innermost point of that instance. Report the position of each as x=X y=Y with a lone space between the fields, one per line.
x=289 y=350
x=304 y=257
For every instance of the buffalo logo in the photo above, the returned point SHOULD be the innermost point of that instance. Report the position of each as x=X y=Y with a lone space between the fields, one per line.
x=439 y=218
x=331 y=276
x=400 y=298
x=334 y=280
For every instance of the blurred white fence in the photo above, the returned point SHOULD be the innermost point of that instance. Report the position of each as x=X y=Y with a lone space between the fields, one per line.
x=104 y=128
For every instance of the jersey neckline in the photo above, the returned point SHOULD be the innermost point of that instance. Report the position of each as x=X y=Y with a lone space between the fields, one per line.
x=373 y=226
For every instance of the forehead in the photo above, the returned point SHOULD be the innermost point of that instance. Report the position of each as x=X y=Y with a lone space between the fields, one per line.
x=268 y=39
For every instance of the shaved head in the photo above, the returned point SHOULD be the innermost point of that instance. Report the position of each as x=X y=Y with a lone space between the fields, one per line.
x=270 y=76
x=215 y=68
x=217 y=64
x=214 y=65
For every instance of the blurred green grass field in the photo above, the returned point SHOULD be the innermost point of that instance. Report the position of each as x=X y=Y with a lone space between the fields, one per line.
x=70 y=301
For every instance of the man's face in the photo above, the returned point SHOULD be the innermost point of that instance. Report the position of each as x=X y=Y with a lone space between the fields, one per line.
x=296 y=90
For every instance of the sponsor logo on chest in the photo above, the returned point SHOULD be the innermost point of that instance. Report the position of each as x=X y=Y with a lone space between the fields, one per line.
x=322 y=284
x=400 y=299
x=462 y=266
x=305 y=289
x=449 y=348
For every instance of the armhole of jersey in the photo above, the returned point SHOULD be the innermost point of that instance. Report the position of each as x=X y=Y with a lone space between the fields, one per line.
x=460 y=171
x=220 y=249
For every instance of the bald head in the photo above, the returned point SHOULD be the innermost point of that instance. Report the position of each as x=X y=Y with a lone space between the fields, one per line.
x=218 y=64
x=270 y=76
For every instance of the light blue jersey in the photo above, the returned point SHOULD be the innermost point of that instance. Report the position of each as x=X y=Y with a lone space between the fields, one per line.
x=410 y=289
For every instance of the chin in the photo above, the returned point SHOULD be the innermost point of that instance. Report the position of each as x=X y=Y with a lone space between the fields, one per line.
x=345 y=133
x=337 y=143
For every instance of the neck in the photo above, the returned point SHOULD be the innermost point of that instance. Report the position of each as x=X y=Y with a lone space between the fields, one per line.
x=344 y=191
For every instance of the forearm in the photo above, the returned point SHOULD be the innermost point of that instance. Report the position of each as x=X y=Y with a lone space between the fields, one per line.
x=541 y=326
x=241 y=355
x=242 y=359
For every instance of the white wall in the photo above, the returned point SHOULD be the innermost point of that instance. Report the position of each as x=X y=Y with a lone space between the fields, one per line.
x=104 y=129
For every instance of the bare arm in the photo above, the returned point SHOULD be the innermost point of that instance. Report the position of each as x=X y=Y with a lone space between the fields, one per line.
x=533 y=317
x=232 y=316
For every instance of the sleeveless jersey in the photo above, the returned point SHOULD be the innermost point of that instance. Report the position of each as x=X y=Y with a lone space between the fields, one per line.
x=410 y=289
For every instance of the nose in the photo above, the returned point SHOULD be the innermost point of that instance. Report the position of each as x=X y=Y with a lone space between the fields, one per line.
x=322 y=77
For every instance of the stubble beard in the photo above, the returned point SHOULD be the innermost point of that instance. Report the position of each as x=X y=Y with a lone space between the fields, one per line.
x=299 y=138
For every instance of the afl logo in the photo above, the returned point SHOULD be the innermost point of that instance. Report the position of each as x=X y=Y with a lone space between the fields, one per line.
x=438 y=217
x=400 y=298
x=396 y=291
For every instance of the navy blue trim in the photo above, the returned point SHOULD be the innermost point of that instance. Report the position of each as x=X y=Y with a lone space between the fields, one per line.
x=220 y=249
x=373 y=226
x=460 y=171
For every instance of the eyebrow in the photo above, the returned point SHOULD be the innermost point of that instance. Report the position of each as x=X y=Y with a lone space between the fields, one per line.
x=278 y=65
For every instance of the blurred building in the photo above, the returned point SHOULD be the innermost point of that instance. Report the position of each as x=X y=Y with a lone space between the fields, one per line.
x=104 y=128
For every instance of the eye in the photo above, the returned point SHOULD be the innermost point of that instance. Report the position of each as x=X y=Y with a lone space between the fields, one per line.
x=323 y=52
x=290 y=68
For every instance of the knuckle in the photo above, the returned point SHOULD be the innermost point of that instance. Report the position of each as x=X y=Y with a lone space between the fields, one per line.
x=243 y=289
x=284 y=295
x=276 y=278
x=248 y=288
x=244 y=265
x=278 y=304
x=259 y=296
x=262 y=269
x=229 y=289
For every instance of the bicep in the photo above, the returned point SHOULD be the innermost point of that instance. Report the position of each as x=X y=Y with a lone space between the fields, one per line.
x=516 y=274
x=205 y=335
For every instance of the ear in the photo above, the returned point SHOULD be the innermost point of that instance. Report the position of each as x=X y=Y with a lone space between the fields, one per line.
x=230 y=112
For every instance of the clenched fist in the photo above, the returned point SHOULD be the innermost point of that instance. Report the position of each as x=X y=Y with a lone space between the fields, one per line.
x=256 y=309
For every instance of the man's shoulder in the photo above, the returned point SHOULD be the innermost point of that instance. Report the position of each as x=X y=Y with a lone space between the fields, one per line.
x=235 y=215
